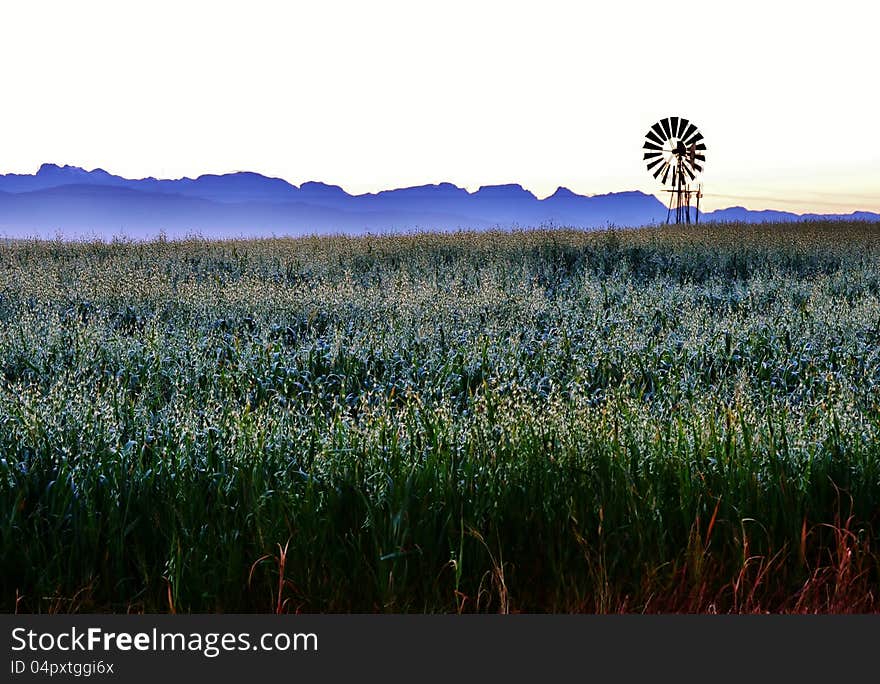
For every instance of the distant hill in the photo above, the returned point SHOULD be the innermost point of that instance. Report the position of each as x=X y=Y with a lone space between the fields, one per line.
x=73 y=202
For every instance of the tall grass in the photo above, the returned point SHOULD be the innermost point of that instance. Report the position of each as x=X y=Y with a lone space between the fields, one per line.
x=649 y=420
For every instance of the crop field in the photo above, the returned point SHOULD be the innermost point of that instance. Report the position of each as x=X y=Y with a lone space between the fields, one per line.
x=676 y=419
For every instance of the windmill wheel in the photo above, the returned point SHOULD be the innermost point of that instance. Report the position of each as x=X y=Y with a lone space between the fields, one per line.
x=674 y=151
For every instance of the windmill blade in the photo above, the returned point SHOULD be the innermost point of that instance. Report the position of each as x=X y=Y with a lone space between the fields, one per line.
x=701 y=157
x=660 y=169
x=659 y=131
x=689 y=172
x=696 y=136
x=666 y=174
x=692 y=163
x=673 y=126
x=651 y=155
x=651 y=146
x=665 y=124
x=689 y=131
x=701 y=147
x=654 y=163
x=650 y=135
x=682 y=126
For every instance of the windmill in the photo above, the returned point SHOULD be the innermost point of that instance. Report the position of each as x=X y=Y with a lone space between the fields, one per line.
x=675 y=154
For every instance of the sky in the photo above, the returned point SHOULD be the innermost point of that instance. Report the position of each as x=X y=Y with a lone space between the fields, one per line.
x=376 y=95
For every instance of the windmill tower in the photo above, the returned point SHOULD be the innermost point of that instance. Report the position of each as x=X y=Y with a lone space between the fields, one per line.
x=675 y=154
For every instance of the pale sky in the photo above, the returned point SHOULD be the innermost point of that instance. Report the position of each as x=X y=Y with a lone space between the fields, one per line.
x=376 y=95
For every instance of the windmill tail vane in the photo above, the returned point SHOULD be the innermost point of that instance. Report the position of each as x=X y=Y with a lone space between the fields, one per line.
x=674 y=152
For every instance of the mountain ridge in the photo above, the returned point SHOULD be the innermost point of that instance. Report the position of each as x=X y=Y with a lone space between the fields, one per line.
x=73 y=201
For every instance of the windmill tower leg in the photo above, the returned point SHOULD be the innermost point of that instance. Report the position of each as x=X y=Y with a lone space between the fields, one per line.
x=679 y=196
x=687 y=215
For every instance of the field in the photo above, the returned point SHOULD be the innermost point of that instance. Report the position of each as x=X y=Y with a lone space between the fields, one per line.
x=649 y=420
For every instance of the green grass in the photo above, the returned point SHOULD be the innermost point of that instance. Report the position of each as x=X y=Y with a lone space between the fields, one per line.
x=650 y=420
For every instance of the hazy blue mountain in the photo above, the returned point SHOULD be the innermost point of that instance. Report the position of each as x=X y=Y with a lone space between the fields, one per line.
x=742 y=214
x=105 y=212
x=631 y=208
x=51 y=176
x=74 y=202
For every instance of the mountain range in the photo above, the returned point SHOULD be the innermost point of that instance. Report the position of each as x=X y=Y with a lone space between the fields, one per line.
x=73 y=202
